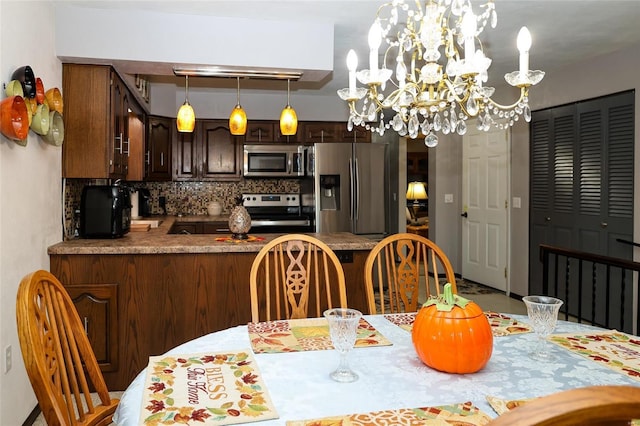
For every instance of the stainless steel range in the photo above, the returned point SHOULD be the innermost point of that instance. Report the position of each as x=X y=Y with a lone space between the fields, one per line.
x=278 y=213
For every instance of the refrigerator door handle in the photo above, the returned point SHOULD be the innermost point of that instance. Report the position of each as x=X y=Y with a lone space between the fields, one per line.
x=356 y=186
x=351 y=188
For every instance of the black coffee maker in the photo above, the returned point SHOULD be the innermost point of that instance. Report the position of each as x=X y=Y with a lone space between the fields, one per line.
x=144 y=202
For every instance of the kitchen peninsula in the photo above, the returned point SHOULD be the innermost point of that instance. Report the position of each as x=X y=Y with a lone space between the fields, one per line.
x=147 y=292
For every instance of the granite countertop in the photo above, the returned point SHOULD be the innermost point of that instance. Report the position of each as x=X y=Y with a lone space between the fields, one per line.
x=158 y=241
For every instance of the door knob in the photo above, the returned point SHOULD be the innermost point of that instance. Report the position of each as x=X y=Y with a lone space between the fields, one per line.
x=464 y=214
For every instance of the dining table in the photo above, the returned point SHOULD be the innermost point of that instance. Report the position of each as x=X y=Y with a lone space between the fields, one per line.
x=391 y=375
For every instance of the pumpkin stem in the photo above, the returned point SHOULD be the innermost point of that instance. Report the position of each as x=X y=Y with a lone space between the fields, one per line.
x=447 y=300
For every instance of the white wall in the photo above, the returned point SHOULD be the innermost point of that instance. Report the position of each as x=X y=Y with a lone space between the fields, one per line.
x=30 y=190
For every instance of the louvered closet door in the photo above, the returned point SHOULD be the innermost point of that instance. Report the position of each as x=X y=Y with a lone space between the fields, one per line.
x=582 y=179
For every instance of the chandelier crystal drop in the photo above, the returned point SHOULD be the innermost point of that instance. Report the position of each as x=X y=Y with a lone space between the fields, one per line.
x=436 y=82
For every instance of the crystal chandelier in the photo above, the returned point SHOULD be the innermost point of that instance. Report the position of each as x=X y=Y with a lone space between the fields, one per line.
x=439 y=74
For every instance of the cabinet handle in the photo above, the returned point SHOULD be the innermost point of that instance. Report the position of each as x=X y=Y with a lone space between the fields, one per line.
x=604 y=224
x=128 y=146
x=119 y=140
x=147 y=155
x=86 y=326
x=162 y=158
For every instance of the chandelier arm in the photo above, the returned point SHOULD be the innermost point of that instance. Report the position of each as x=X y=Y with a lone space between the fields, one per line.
x=524 y=92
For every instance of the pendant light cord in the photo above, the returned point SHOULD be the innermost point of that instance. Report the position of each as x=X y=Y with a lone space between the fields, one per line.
x=238 y=90
x=186 y=88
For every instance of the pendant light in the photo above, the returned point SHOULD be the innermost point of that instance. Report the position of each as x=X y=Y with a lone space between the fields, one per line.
x=186 y=119
x=238 y=118
x=288 y=118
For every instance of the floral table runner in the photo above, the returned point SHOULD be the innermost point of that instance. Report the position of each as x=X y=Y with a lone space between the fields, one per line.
x=205 y=389
x=310 y=334
x=463 y=414
x=616 y=350
x=501 y=324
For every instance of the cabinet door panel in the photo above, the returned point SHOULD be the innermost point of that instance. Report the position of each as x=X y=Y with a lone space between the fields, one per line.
x=220 y=152
x=260 y=131
x=97 y=306
x=323 y=132
x=158 y=154
x=184 y=155
x=86 y=121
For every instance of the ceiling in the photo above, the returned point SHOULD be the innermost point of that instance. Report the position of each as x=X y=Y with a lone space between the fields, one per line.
x=563 y=31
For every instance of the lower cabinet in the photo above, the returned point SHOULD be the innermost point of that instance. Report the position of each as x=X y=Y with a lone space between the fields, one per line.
x=164 y=300
x=97 y=306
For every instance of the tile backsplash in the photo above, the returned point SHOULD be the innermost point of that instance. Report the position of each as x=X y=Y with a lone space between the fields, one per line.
x=186 y=198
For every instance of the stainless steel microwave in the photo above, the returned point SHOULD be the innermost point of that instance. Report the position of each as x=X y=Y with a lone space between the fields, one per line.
x=273 y=161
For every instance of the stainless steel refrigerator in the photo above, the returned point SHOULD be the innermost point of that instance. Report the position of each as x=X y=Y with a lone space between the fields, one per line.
x=350 y=188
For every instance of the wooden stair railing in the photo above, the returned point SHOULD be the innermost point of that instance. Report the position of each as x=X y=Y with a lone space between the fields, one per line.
x=594 y=287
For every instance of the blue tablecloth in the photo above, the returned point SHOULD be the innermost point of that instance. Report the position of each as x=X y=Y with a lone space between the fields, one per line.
x=394 y=377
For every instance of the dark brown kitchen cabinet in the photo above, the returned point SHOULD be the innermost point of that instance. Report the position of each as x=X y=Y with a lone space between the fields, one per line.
x=96 y=120
x=266 y=131
x=318 y=132
x=218 y=227
x=332 y=131
x=97 y=306
x=158 y=148
x=209 y=153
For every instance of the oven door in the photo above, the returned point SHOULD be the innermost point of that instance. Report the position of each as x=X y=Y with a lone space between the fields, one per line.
x=280 y=224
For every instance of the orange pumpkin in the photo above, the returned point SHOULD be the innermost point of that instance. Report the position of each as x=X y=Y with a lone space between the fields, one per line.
x=452 y=334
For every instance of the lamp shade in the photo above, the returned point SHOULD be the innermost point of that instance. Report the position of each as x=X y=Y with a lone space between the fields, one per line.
x=186 y=119
x=238 y=121
x=288 y=121
x=416 y=191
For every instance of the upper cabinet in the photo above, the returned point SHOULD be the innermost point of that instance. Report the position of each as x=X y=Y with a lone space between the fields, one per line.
x=96 y=118
x=320 y=131
x=266 y=131
x=209 y=153
x=157 y=159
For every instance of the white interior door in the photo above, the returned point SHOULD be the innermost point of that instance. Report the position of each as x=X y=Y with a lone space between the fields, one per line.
x=485 y=195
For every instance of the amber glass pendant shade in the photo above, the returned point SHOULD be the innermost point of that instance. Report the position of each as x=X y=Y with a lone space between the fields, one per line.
x=186 y=118
x=238 y=121
x=288 y=121
x=288 y=118
x=238 y=118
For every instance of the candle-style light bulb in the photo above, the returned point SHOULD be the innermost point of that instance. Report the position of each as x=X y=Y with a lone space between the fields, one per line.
x=352 y=64
x=524 y=44
x=469 y=28
x=375 y=39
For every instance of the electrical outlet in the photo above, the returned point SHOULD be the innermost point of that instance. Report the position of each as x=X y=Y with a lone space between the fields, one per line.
x=7 y=359
x=448 y=198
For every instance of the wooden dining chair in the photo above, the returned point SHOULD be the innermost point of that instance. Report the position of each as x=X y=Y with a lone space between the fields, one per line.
x=292 y=274
x=592 y=405
x=60 y=362
x=396 y=268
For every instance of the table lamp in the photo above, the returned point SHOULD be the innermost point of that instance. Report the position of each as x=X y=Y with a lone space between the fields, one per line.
x=416 y=191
